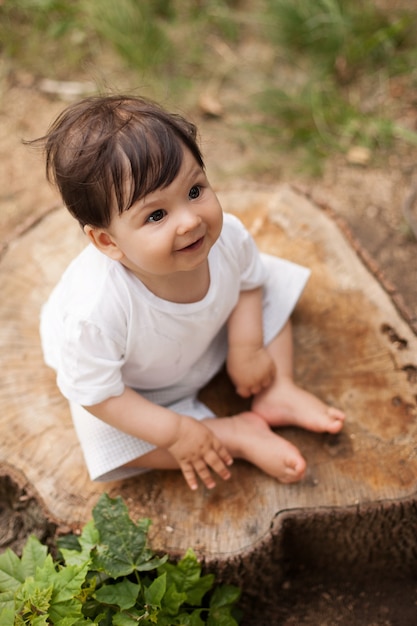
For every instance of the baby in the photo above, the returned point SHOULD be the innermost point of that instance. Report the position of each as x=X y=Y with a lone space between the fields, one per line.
x=168 y=290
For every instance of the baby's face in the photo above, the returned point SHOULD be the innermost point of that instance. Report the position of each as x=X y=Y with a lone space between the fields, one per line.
x=172 y=229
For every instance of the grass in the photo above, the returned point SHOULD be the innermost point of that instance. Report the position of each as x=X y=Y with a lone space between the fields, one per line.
x=343 y=37
x=40 y=36
x=349 y=51
x=161 y=47
x=341 y=56
x=134 y=29
x=318 y=121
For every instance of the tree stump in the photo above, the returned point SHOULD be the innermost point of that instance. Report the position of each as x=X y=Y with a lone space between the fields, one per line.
x=353 y=348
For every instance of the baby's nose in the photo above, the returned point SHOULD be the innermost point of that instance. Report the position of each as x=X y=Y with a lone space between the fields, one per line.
x=189 y=221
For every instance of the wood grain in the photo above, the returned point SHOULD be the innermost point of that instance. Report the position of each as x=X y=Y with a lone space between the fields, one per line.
x=353 y=348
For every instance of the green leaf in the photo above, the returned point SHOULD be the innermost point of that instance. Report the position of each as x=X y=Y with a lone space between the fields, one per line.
x=46 y=572
x=186 y=576
x=66 y=584
x=32 y=603
x=225 y=595
x=128 y=619
x=221 y=617
x=65 y=600
x=156 y=591
x=33 y=597
x=152 y=564
x=123 y=594
x=221 y=606
x=71 y=621
x=88 y=539
x=35 y=620
x=182 y=619
x=7 y=616
x=7 y=602
x=123 y=548
x=172 y=600
x=33 y=556
x=12 y=574
x=191 y=619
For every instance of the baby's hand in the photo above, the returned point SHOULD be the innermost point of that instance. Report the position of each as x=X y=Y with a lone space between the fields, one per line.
x=251 y=369
x=196 y=449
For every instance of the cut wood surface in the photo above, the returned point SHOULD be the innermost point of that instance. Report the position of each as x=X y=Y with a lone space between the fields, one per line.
x=352 y=347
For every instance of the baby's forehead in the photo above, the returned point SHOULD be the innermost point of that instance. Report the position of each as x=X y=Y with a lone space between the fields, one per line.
x=188 y=174
x=134 y=172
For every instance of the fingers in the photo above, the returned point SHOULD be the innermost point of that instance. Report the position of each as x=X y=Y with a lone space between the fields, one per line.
x=204 y=474
x=246 y=391
x=190 y=476
x=218 y=460
x=253 y=382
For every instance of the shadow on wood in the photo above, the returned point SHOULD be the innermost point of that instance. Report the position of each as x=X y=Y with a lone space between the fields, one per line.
x=353 y=349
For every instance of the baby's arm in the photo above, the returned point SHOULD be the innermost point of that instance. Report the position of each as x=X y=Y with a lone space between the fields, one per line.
x=191 y=443
x=248 y=362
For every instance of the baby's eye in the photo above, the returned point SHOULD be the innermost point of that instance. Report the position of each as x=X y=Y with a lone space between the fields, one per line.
x=156 y=216
x=194 y=192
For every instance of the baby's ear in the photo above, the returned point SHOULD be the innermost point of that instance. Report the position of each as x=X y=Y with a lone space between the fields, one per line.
x=103 y=241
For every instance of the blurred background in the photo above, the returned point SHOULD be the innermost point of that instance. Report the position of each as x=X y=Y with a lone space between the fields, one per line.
x=321 y=94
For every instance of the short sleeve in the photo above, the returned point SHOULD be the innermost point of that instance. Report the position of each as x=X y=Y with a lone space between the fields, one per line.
x=253 y=273
x=90 y=368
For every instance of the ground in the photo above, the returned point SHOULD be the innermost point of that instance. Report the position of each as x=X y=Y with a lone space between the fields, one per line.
x=376 y=201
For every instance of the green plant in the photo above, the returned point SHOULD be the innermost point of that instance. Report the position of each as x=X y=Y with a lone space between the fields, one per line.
x=134 y=29
x=319 y=120
x=162 y=41
x=109 y=576
x=43 y=34
x=343 y=36
x=342 y=55
x=218 y=16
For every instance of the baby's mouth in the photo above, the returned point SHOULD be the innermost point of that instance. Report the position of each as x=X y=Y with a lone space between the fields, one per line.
x=193 y=246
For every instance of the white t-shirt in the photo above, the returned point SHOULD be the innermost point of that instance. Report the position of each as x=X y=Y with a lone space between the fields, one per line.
x=102 y=330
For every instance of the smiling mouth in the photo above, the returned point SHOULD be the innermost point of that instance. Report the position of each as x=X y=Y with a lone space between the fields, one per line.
x=193 y=246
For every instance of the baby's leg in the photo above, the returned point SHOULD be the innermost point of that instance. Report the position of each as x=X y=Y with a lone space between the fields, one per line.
x=246 y=436
x=284 y=403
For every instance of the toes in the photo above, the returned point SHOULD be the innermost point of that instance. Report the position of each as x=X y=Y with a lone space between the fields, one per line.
x=337 y=418
x=335 y=414
x=294 y=471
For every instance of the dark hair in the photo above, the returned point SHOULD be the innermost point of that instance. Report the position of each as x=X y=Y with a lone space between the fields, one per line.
x=107 y=152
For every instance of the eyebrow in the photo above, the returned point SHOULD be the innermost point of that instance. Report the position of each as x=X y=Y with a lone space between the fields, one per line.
x=142 y=204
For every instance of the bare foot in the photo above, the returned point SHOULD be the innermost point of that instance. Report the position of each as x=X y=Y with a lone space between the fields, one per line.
x=257 y=443
x=286 y=404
